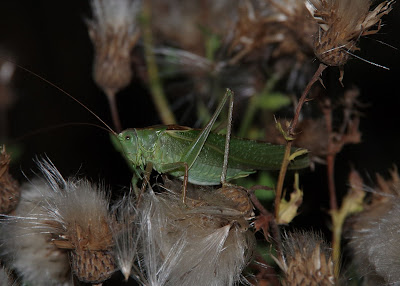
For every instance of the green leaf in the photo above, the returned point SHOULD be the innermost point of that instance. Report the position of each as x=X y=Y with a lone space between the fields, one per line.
x=273 y=101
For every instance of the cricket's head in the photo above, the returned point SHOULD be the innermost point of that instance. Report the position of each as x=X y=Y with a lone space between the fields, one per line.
x=130 y=147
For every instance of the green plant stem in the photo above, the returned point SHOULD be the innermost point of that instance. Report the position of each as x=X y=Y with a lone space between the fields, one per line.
x=289 y=142
x=156 y=89
x=337 y=222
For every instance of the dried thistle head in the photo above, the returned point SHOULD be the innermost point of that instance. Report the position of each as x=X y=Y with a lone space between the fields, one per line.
x=279 y=29
x=26 y=245
x=113 y=31
x=284 y=23
x=9 y=188
x=306 y=260
x=341 y=24
x=79 y=221
x=183 y=245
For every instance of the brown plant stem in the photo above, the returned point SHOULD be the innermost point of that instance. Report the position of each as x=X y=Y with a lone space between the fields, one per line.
x=271 y=219
x=337 y=224
x=289 y=142
x=112 y=101
x=330 y=158
x=156 y=89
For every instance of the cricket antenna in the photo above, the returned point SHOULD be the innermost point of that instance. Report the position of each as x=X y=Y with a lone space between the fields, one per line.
x=66 y=93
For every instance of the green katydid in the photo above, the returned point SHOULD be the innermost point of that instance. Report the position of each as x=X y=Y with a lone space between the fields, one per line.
x=198 y=155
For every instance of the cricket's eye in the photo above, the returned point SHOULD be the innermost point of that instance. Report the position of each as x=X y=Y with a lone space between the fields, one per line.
x=127 y=137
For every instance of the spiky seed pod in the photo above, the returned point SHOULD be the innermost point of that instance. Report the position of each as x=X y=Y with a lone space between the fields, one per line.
x=183 y=245
x=79 y=221
x=113 y=31
x=25 y=243
x=341 y=24
x=9 y=188
x=306 y=260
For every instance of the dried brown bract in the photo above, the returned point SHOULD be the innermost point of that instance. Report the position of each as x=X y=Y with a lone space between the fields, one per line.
x=341 y=24
x=9 y=188
x=306 y=260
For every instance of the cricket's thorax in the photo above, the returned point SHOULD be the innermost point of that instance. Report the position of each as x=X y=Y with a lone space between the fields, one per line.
x=167 y=150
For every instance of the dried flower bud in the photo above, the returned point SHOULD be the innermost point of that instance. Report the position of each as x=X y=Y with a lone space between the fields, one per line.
x=9 y=188
x=306 y=260
x=183 y=245
x=113 y=32
x=341 y=24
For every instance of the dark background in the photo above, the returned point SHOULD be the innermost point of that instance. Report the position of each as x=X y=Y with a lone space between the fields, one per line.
x=50 y=39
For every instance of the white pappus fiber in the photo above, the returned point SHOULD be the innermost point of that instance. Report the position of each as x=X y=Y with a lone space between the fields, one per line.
x=125 y=235
x=182 y=246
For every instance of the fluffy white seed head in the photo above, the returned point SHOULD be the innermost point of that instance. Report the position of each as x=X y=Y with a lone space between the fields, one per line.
x=376 y=241
x=79 y=221
x=26 y=246
x=181 y=245
x=57 y=218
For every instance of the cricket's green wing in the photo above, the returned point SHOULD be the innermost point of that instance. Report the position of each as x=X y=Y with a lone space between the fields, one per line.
x=245 y=156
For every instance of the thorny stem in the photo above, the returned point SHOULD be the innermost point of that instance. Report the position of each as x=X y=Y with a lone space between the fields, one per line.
x=159 y=98
x=112 y=101
x=292 y=127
